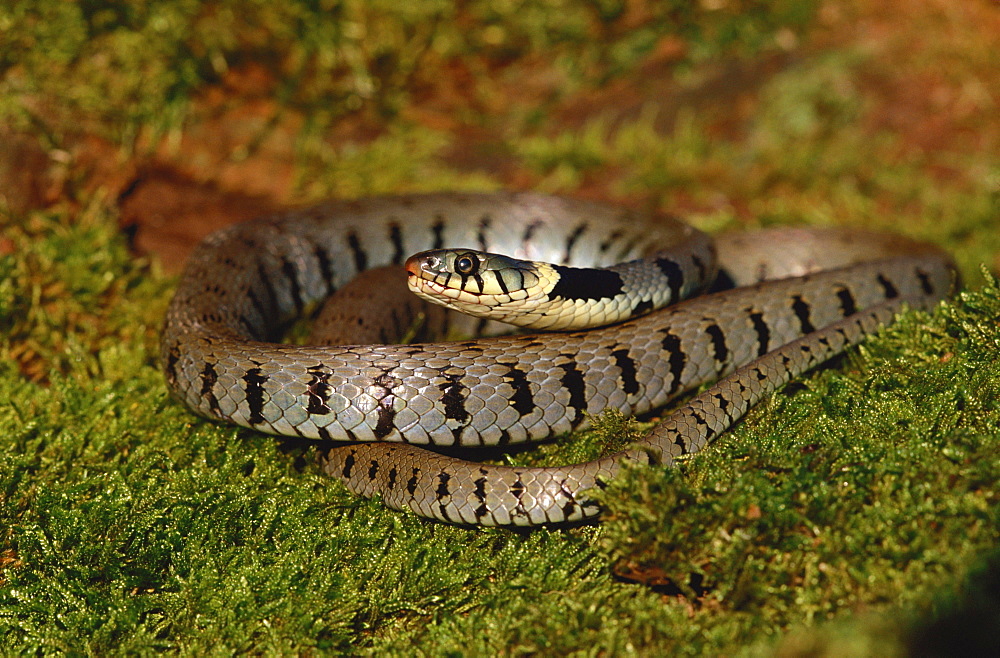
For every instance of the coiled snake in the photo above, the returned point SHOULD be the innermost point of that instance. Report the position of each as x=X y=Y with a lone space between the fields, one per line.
x=243 y=283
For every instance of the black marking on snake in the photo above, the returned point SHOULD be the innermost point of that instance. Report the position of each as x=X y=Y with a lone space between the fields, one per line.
x=349 y=462
x=386 y=414
x=890 y=290
x=572 y=381
x=723 y=281
x=396 y=238
x=480 y=493
x=700 y=266
x=453 y=395
x=323 y=433
x=248 y=244
x=529 y=230
x=360 y=257
x=437 y=230
x=674 y=274
x=698 y=418
x=719 y=348
x=325 y=268
x=254 y=391
x=500 y=282
x=318 y=391
x=517 y=489
x=411 y=484
x=208 y=379
x=848 y=305
x=248 y=327
x=585 y=284
x=629 y=246
x=676 y=359
x=258 y=306
x=173 y=356
x=612 y=238
x=443 y=511
x=522 y=399
x=570 y=505
x=629 y=375
x=642 y=308
x=442 y=490
x=484 y=225
x=391 y=480
x=572 y=239
x=761 y=329
x=925 y=281
x=295 y=288
x=723 y=402
x=802 y=312
x=265 y=278
x=372 y=469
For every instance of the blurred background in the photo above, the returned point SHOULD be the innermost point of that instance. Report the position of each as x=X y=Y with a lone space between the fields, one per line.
x=183 y=115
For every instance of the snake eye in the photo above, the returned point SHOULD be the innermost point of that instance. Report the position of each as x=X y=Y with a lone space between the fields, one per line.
x=467 y=264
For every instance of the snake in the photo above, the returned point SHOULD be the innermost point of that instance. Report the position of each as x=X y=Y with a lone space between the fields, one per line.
x=779 y=302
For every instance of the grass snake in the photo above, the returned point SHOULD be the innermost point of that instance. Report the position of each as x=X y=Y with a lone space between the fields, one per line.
x=796 y=298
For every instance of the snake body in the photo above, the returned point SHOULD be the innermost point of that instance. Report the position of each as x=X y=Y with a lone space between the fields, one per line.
x=243 y=283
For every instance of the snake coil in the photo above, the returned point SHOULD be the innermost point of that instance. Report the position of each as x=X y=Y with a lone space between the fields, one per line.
x=245 y=282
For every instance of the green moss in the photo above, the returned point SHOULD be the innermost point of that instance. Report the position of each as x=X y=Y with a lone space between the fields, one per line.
x=130 y=68
x=867 y=488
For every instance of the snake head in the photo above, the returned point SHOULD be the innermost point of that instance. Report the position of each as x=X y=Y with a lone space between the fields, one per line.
x=474 y=282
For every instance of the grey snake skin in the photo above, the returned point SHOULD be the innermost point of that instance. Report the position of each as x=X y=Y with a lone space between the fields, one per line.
x=243 y=284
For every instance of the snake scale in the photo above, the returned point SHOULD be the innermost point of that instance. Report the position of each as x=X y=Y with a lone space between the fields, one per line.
x=244 y=283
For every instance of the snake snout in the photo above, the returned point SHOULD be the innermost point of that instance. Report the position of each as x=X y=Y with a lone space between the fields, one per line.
x=424 y=265
x=412 y=266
